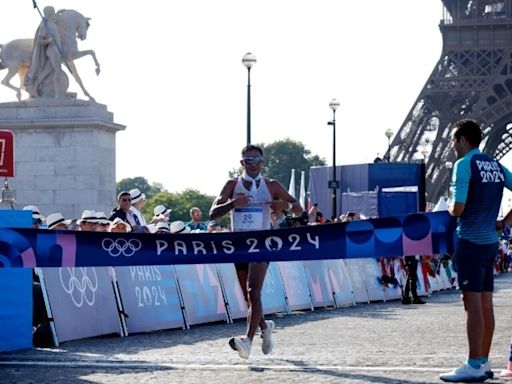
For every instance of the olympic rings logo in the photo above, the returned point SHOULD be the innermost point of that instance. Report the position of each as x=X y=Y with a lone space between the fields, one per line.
x=121 y=247
x=80 y=284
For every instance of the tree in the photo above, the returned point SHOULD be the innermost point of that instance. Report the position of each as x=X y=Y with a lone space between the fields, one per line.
x=180 y=203
x=142 y=184
x=284 y=155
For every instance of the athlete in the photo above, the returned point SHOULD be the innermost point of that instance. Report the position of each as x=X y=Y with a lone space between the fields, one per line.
x=252 y=199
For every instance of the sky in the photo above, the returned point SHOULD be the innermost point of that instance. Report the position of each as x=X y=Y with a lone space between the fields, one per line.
x=171 y=72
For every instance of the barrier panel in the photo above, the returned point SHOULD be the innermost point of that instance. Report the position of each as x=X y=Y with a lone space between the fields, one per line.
x=340 y=283
x=16 y=287
x=150 y=297
x=82 y=302
x=394 y=268
x=201 y=292
x=15 y=309
x=273 y=296
x=295 y=285
x=357 y=280
x=318 y=281
x=235 y=301
x=372 y=278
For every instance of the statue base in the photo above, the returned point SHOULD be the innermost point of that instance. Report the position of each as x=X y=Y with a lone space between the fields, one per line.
x=65 y=154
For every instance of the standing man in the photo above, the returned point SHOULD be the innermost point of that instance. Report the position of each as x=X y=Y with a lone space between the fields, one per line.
x=195 y=223
x=124 y=203
x=251 y=199
x=477 y=188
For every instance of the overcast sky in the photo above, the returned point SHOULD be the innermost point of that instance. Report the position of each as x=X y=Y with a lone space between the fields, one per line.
x=172 y=73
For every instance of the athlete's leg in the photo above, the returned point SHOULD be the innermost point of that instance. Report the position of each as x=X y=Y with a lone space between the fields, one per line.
x=256 y=277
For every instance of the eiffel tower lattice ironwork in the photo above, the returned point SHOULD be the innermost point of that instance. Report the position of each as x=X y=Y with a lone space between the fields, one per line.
x=472 y=79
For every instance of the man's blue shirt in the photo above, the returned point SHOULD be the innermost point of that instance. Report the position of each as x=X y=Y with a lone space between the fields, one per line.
x=478 y=181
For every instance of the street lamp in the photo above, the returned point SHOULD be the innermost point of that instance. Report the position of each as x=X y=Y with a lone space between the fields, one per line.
x=334 y=105
x=389 y=133
x=248 y=61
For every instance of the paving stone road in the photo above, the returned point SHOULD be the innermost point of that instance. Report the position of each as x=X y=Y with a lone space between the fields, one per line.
x=369 y=343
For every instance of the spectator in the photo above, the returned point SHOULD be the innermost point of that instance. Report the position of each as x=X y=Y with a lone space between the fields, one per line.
x=213 y=226
x=179 y=227
x=124 y=203
x=37 y=218
x=118 y=225
x=195 y=220
x=160 y=213
x=162 y=227
x=137 y=199
x=102 y=223
x=56 y=221
x=87 y=221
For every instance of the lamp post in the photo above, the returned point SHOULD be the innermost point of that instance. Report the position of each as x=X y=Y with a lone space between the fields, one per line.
x=248 y=61
x=389 y=133
x=334 y=105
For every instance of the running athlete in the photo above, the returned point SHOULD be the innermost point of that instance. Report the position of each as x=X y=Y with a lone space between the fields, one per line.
x=477 y=188
x=251 y=199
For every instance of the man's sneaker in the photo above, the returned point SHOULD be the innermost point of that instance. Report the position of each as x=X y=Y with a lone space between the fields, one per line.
x=487 y=369
x=266 y=335
x=417 y=300
x=466 y=374
x=406 y=300
x=241 y=345
x=506 y=374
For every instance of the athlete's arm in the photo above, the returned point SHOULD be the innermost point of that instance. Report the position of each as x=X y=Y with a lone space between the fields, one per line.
x=223 y=203
x=283 y=198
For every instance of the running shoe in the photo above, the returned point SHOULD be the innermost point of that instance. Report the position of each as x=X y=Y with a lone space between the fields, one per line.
x=487 y=369
x=266 y=335
x=465 y=374
x=241 y=345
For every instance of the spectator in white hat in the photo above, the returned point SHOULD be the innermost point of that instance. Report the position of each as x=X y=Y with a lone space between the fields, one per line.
x=160 y=213
x=162 y=227
x=179 y=227
x=88 y=221
x=102 y=223
x=37 y=218
x=119 y=225
x=56 y=221
x=138 y=198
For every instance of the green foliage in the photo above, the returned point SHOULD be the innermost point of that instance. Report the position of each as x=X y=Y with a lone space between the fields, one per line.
x=142 y=184
x=180 y=203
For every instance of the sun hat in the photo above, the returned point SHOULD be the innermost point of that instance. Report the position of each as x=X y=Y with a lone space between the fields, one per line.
x=101 y=218
x=162 y=226
x=136 y=195
x=36 y=214
x=161 y=210
x=54 y=219
x=179 y=227
x=88 y=216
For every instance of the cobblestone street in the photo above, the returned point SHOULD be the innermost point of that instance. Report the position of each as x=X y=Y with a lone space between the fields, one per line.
x=374 y=343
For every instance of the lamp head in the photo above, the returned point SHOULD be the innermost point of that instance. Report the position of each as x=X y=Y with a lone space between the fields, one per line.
x=248 y=60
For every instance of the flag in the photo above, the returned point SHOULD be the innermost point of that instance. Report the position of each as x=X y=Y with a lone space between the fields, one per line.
x=302 y=190
x=291 y=188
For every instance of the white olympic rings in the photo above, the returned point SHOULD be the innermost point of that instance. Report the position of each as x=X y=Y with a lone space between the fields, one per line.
x=121 y=246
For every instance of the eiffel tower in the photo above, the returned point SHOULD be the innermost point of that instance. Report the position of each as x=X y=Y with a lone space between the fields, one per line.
x=472 y=79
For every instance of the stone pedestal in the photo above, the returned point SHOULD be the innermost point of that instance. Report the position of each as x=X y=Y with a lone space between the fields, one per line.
x=65 y=155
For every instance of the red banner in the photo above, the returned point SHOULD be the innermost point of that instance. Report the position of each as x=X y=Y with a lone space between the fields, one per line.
x=6 y=154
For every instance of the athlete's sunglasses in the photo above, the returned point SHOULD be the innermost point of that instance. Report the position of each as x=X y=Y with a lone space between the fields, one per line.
x=253 y=160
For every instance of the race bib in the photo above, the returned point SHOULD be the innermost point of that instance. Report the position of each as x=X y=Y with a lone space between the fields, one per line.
x=248 y=218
